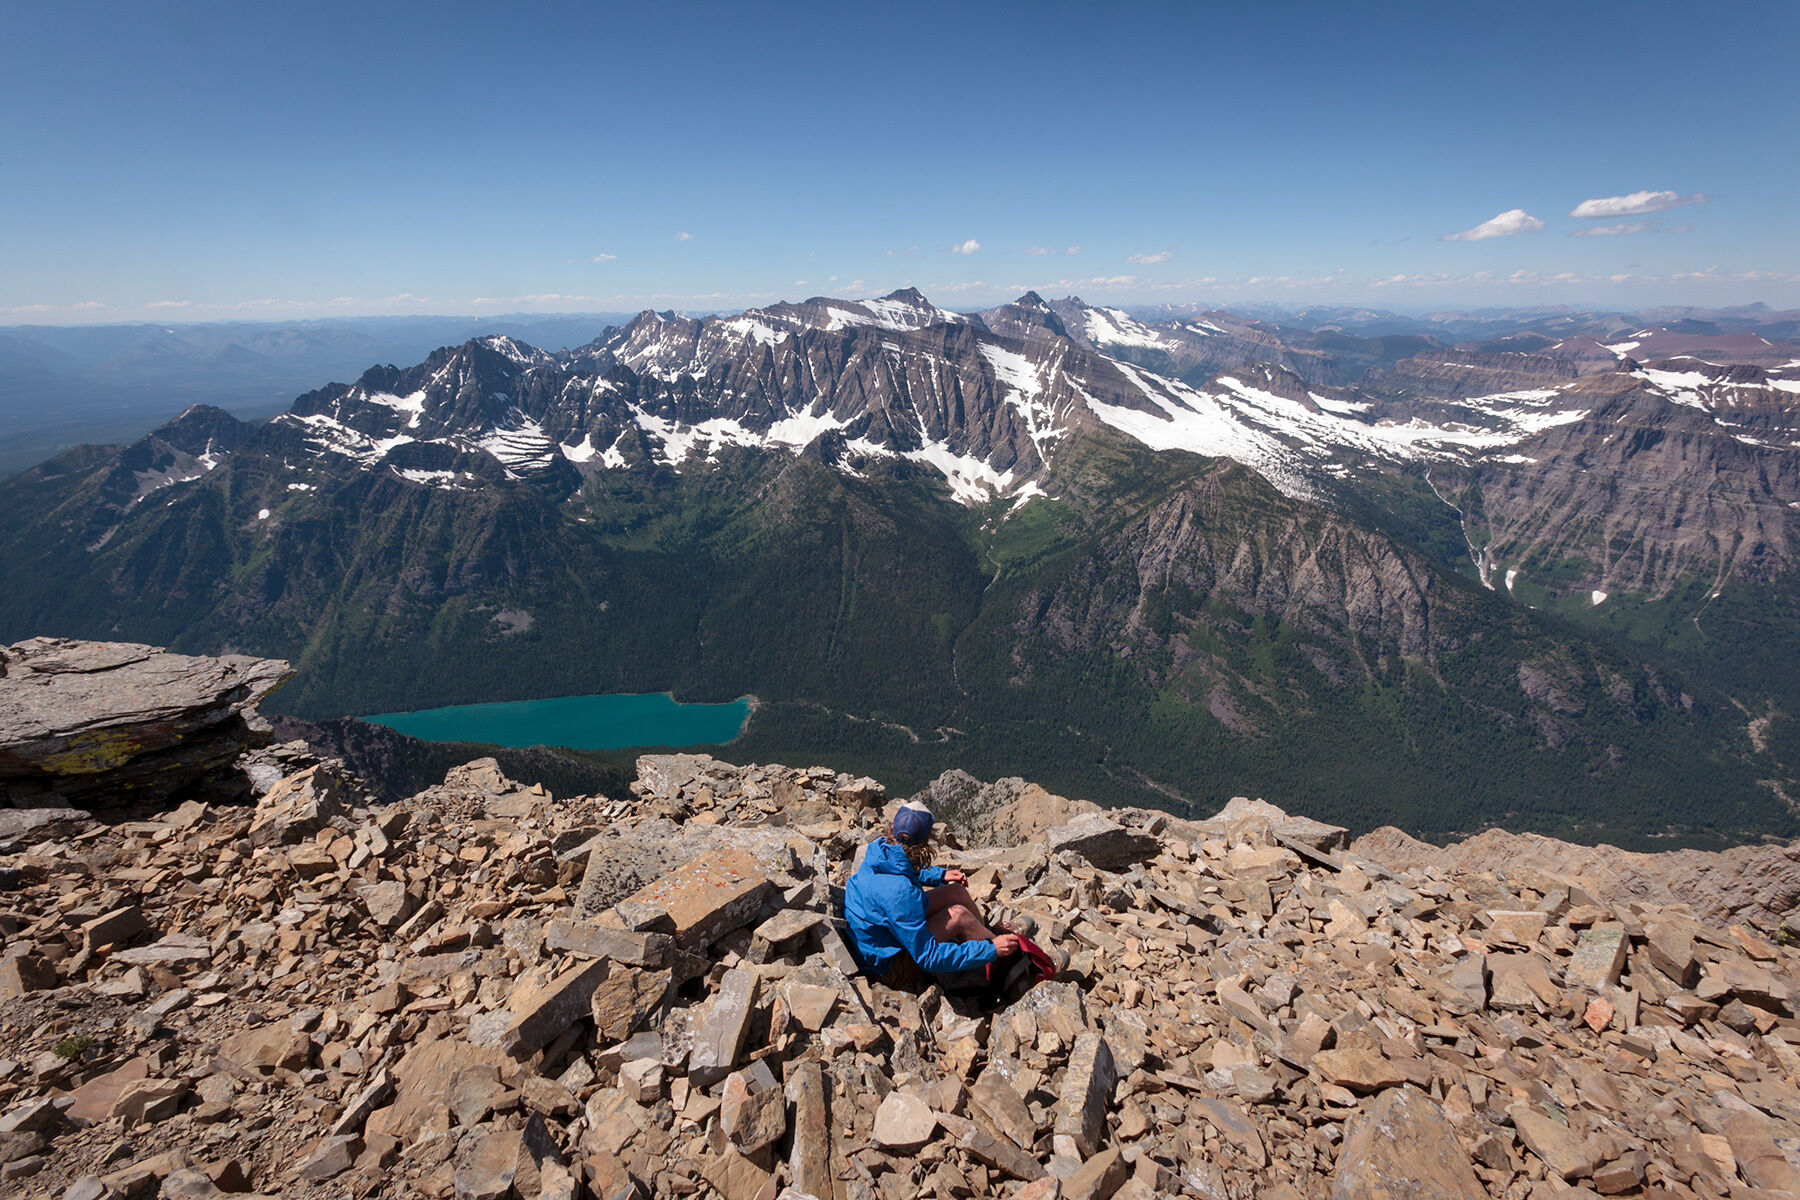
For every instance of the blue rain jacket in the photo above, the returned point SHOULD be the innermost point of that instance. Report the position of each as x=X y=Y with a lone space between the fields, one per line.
x=884 y=905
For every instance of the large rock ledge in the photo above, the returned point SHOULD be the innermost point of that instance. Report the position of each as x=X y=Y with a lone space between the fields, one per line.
x=90 y=723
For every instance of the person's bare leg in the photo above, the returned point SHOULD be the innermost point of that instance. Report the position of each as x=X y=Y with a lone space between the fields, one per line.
x=957 y=923
x=943 y=897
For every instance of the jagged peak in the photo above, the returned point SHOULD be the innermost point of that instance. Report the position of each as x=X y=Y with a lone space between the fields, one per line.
x=909 y=295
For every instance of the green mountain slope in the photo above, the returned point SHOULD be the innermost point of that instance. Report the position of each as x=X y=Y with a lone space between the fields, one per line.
x=1170 y=629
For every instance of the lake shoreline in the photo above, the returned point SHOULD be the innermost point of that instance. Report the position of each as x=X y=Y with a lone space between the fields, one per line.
x=596 y=723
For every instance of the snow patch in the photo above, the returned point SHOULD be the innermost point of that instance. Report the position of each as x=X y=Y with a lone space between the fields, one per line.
x=412 y=405
x=262 y=514
x=435 y=478
x=331 y=436
x=1597 y=597
x=971 y=480
x=1512 y=573
x=523 y=444
x=1031 y=491
x=758 y=332
x=1114 y=327
x=901 y=316
x=799 y=429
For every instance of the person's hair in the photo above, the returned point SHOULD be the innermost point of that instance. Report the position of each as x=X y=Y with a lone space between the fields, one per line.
x=919 y=854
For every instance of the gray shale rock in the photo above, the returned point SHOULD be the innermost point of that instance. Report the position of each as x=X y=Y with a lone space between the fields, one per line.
x=104 y=722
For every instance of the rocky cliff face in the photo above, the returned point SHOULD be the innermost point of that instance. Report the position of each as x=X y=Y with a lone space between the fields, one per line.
x=490 y=991
x=1642 y=496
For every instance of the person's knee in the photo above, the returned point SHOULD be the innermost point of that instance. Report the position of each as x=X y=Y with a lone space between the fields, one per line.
x=963 y=921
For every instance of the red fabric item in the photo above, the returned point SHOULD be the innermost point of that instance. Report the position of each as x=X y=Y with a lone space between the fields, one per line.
x=1042 y=963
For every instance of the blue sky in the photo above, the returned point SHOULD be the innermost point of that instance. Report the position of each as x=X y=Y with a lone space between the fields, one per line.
x=197 y=161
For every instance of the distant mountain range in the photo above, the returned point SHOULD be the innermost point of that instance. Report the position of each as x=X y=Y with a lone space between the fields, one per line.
x=61 y=385
x=1542 y=580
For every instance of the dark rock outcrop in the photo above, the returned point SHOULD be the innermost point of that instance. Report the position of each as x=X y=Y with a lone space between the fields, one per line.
x=84 y=723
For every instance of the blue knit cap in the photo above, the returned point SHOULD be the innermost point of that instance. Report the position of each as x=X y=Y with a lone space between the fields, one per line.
x=912 y=824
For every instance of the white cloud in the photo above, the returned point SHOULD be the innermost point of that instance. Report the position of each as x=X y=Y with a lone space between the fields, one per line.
x=169 y=304
x=37 y=310
x=968 y=247
x=1039 y=251
x=1510 y=223
x=1636 y=204
x=603 y=258
x=1161 y=256
x=1619 y=230
x=909 y=252
x=538 y=299
x=1073 y=250
x=1111 y=282
x=684 y=237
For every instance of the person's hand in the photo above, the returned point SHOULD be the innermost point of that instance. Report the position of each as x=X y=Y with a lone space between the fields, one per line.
x=955 y=877
x=1006 y=945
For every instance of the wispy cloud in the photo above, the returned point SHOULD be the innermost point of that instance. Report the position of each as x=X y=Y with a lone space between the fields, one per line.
x=170 y=304
x=603 y=258
x=532 y=301
x=1161 y=256
x=46 y=310
x=968 y=247
x=1634 y=205
x=684 y=236
x=1073 y=250
x=1511 y=223
x=909 y=252
x=1092 y=284
x=1040 y=251
x=1623 y=229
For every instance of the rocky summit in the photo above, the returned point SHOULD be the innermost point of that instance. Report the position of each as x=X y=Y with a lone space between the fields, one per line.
x=487 y=991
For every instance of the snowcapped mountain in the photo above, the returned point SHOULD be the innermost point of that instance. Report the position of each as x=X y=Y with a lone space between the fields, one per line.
x=1000 y=404
x=987 y=401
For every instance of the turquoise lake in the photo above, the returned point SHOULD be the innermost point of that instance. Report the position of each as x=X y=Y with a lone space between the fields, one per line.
x=578 y=722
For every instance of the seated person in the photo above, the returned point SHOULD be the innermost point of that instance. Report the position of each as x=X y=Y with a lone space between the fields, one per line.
x=900 y=932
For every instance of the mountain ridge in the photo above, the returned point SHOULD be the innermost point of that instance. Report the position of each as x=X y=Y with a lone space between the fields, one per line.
x=1019 y=533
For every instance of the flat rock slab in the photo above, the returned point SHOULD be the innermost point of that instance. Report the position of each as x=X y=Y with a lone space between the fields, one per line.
x=903 y=1121
x=93 y=1100
x=1563 y=1152
x=1404 y=1148
x=710 y=897
x=1242 y=817
x=592 y=940
x=1103 y=842
x=541 y=1013
x=1599 y=957
x=103 y=718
